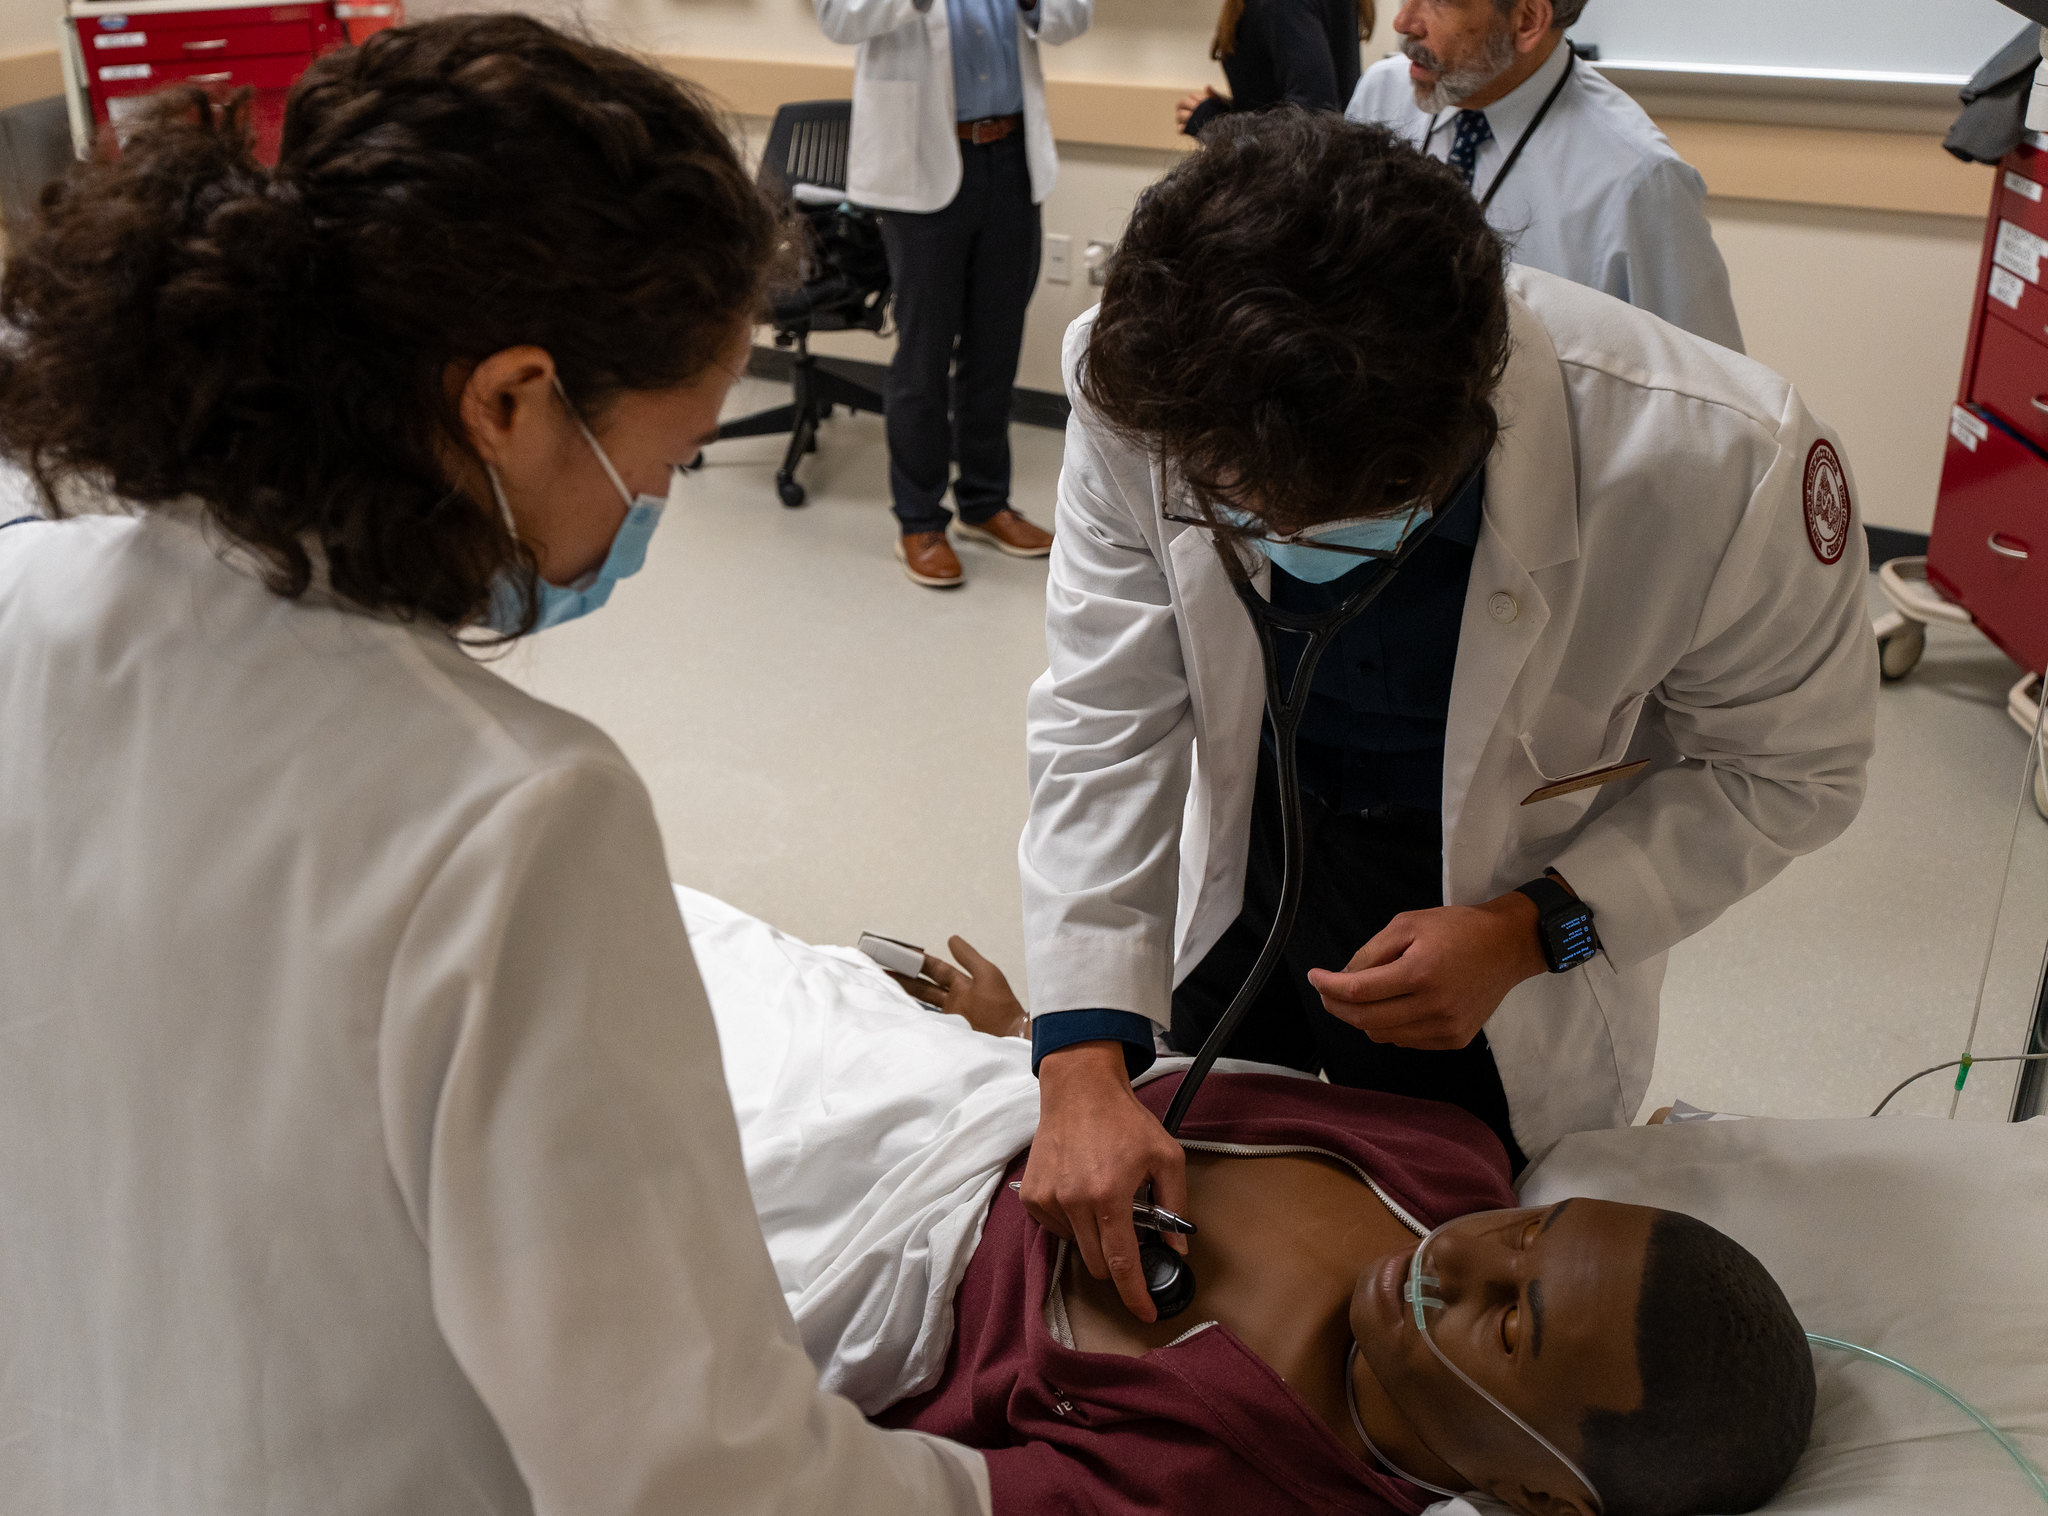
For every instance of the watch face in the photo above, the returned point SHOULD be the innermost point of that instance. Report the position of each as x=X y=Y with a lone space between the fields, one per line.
x=1571 y=937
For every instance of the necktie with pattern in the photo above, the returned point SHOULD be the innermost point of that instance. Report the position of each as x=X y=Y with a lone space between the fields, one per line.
x=1473 y=134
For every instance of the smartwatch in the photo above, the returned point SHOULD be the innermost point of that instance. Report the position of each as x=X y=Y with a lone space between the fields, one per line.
x=1564 y=924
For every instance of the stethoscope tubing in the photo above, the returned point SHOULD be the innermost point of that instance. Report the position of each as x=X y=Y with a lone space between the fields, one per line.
x=1285 y=712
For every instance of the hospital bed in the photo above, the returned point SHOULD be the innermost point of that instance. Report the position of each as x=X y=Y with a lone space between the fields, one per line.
x=876 y=1131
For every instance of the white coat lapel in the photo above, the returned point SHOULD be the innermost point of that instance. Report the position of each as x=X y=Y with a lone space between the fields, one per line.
x=1530 y=522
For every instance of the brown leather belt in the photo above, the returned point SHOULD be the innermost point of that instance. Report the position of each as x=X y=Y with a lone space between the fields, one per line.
x=988 y=129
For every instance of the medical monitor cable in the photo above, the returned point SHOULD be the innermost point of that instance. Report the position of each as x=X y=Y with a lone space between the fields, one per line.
x=1964 y=1064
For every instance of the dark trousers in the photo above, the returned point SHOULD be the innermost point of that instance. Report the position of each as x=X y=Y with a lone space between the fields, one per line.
x=962 y=278
x=1362 y=871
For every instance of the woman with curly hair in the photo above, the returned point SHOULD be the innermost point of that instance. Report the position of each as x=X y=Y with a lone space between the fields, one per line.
x=363 y=1140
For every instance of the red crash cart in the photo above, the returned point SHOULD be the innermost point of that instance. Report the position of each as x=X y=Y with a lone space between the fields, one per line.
x=116 y=53
x=1987 y=557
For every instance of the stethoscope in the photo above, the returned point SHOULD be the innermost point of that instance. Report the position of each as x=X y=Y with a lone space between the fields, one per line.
x=1571 y=62
x=1168 y=1278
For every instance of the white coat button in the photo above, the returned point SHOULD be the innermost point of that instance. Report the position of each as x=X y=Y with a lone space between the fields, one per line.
x=1502 y=607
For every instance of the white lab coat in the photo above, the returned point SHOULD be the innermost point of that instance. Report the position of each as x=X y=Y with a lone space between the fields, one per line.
x=363 y=1141
x=1643 y=586
x=904 y=154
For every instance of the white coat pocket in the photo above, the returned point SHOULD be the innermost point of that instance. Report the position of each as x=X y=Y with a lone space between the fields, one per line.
x=1567 y=770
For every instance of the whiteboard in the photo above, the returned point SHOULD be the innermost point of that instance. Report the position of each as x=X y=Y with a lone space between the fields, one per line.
x=1925 y=41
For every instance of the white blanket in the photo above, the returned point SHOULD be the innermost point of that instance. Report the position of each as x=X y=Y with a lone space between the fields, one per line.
x=875 y=1132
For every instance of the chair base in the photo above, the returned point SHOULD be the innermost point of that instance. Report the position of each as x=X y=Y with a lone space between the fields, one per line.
x=815 y=391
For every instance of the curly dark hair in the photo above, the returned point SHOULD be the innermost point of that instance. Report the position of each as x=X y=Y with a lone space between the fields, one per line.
x=1306 y=320
x=277 y=342
x=1728 y=1384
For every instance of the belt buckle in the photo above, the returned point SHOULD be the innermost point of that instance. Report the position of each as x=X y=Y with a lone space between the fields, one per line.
x=981 y=133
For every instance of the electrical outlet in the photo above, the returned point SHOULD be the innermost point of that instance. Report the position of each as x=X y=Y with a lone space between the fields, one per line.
x=1059 y=258
x=1096 y=261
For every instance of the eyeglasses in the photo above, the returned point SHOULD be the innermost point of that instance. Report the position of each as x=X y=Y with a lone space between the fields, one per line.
x=1250 y=534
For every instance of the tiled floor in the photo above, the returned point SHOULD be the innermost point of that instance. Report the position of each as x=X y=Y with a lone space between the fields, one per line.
x=836 y=750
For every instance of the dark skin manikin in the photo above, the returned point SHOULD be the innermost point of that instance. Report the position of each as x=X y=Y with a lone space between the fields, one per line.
x=1540 y=1310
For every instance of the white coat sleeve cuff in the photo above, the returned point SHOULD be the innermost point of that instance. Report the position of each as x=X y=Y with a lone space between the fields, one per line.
x=1632 y=910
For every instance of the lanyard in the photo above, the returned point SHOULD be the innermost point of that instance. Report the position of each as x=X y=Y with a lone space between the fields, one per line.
x=1571 y=62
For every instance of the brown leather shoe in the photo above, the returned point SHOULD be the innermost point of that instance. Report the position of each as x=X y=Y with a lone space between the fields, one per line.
x=1012 y=533
x=928 y=558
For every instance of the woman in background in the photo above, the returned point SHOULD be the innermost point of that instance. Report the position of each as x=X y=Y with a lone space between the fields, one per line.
x=364 y=1146
x=1282 y=52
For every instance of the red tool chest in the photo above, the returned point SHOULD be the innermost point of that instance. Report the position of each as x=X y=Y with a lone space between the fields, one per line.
x=125 y=51
x=1989 y=547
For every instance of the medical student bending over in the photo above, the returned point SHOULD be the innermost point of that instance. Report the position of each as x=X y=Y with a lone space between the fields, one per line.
x=363 y=1143
x=1623 y=679
x=1657 y=1366
x=1570 y=170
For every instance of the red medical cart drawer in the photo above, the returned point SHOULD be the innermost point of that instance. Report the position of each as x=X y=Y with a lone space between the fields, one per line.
x=2012 y=379
x=1989 y=547
x=197 y=43
x=117 y=79
x=2016 y=301
x=2022 y=198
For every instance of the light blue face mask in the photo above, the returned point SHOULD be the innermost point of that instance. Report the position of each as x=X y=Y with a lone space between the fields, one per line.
x=565 y=602
x=1313 y=565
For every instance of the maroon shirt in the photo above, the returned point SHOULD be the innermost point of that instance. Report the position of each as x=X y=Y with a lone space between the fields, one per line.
x=1203 y=1425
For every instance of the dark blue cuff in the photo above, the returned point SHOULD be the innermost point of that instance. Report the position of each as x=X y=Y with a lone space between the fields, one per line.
x=1062 y=1029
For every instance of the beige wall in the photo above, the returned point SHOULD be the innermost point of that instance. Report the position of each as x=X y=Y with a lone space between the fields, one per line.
x=1866 y=310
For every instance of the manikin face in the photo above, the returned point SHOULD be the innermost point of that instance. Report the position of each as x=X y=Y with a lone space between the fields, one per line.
x=1539 y=1309
x=1455 y=49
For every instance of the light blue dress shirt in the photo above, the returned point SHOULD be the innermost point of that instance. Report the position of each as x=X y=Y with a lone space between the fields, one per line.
x=1599 y=197
x=987 y=80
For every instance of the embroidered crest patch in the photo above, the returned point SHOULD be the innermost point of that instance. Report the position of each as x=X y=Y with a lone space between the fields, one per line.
x=1827 y=502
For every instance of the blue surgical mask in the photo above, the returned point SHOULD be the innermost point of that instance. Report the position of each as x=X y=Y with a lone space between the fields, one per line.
x=1312 y=565
x=565 y=602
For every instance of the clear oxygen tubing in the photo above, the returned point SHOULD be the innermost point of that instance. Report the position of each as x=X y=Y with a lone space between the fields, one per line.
x=1285 y=710
x=1415 y=1292
x=2033 y=1474
x=1997 y=912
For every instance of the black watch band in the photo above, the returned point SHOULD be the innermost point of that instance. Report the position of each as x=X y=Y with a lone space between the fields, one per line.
x=1564 y=924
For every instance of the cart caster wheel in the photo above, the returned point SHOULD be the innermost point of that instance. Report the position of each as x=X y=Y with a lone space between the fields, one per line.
x=2041 y=790
x=1899 y=645
x=791 y=492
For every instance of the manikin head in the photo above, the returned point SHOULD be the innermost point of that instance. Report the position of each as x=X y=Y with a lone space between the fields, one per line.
x=1470 y=53
x=1654 y=1352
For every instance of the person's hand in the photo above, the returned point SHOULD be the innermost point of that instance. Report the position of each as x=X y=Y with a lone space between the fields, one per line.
x=1096 y=1147
x=976 y=992
x=1432 y=979
x=1189 y=103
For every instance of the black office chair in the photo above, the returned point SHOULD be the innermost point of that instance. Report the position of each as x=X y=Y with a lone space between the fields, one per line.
x=35 y=147
x=843 y=273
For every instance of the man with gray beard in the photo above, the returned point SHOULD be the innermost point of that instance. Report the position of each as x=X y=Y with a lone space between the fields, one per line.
x=1570 y=170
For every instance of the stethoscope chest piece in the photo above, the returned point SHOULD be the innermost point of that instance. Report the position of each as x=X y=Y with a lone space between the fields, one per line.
x=1168 y=1279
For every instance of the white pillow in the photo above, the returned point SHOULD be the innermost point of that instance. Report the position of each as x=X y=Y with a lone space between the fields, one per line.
x=1926 y=1240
